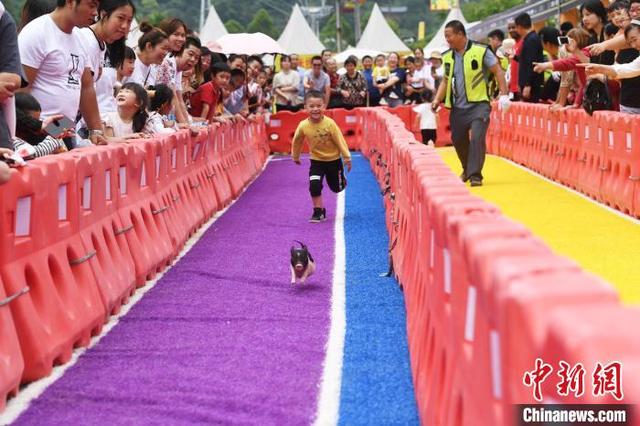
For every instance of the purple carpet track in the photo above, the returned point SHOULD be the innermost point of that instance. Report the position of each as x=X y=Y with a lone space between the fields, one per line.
x=223 y=337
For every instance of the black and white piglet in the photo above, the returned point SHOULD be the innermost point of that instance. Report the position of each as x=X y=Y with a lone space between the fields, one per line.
x=302 y=264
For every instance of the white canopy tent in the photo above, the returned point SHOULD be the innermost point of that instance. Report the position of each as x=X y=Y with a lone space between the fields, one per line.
x=378 y=35
x=298 y=37
x=438 y=42
x=358 y=53
x=213 y=27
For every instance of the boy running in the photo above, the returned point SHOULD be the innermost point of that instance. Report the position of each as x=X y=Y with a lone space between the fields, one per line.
x=326 y=146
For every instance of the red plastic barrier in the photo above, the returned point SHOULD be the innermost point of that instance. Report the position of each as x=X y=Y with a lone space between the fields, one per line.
x=281 y=128
x=348 y=122
x=480 y=291
x=11 y=363
x=101 y=229
x=81 y=229
x=63 y=307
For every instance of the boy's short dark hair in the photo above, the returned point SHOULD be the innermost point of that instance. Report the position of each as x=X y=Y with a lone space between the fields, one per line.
x=236 y=72
x=219 y=67
x=316 y=58
x=565 y=27
x=497 y=33
x=369 y=57
x=313 y=94
x=549 y=35
x=427 y=96
x=523 y=20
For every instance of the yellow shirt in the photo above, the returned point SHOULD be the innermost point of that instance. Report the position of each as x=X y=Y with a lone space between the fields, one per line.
x=381 y=73
x=325 y=139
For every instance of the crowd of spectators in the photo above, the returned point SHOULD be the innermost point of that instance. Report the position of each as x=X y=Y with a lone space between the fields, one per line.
x=592 y=66
x=67 y=62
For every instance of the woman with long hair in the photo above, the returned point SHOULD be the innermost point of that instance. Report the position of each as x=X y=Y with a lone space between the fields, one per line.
x=167 y=73
x=153 y=46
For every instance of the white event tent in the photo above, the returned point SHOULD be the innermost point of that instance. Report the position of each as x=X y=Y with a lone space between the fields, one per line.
x=378 y=35
x=298 y=37
x=438 y=42
x=213 y=28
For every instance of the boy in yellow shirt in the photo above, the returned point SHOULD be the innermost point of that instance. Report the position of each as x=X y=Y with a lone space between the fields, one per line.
x=326 y=146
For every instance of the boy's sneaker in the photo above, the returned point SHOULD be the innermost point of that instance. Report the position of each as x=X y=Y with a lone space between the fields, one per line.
x=319 y=214
x=476 y=181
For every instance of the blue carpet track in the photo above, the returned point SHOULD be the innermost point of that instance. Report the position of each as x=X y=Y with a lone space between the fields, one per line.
x=376 y=382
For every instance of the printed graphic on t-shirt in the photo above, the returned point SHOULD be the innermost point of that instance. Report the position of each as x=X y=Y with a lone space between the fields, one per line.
x=73 y=73
x=323 y=137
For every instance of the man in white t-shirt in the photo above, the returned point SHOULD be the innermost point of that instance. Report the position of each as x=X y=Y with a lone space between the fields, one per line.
x=55 y=64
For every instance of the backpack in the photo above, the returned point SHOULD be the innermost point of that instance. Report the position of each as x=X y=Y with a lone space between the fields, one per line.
x=596 y=97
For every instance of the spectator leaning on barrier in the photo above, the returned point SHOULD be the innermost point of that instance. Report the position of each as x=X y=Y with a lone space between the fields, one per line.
x=514 y=90
x=285 y=86
x=31 y=141
x=160 y=106
x=529 y=82
x=335 y=98
x=577 y=48
x=56 y=67
x=622 y=71
x=465 y=92
x=496 y=38
x=318 y=80
x=131 y=120
x=551 y=48
x=153 y=46
x=10 y=77
x=104 y=46
x=206 y=101
x=629 y=87
x=352 y=86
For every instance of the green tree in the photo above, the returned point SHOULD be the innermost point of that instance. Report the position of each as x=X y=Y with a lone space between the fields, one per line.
x=477 y=10
x=150 y=11
x=262 y=23
x=328 y=33
x=234 y=26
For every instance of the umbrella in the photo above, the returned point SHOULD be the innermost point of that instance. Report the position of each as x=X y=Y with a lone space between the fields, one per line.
x=358 y=53
x=214 y=46
x=249 y=44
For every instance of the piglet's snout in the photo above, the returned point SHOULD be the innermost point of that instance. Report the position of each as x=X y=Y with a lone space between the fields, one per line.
x=299 y=267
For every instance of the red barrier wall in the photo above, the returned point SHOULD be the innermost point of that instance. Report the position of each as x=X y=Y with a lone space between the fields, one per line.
x=597 y=155
x=82 y=230
x=484 y=297
x=282 y=126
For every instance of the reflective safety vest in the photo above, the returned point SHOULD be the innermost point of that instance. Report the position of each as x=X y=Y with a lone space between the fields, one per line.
x=475 y=83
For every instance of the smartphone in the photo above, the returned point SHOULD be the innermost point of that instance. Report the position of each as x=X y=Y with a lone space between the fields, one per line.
x=563 y=40
x=58 y=127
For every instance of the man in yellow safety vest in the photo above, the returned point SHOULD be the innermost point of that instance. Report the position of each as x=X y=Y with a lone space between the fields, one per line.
x=465 y=91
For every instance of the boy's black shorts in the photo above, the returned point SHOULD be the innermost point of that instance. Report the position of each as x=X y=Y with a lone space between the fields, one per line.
x=332 y=170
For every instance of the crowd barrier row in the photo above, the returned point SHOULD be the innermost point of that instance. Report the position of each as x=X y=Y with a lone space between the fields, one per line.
x=484 y=297
x=597 y=155
x=81 y=231
x=282 y=126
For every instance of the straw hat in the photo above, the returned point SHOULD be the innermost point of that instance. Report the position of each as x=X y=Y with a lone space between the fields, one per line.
x=435 y=55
